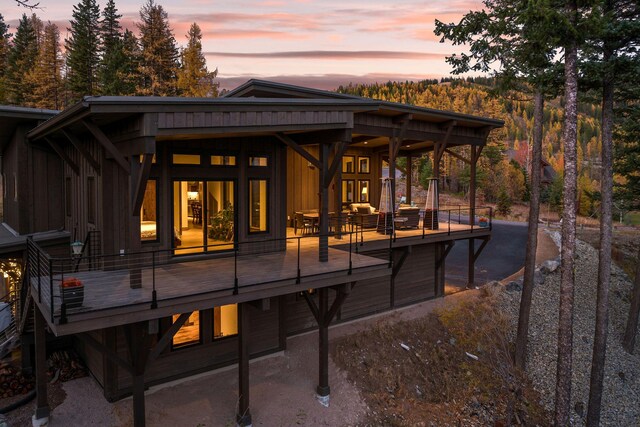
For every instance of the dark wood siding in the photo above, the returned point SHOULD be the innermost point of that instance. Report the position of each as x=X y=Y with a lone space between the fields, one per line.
x=264 y=338
x=416 y=280
x=367 y=298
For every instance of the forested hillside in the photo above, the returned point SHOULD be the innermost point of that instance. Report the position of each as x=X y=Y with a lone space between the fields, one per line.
x=498 y=175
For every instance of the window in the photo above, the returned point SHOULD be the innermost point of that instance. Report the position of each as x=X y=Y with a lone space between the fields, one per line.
x=153 y=159
x=363 y=190
x=223 y=160
x=148 y=212
x=67 y=195
x=258 y=161
x=348 y=164
x=348 y=191
x=186 y=159
x=363 y=164
x=189 y=333
x=258 y=196
x=225 y=321
x=91 y=199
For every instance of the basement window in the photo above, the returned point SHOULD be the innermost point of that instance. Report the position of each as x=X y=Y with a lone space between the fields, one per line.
x=225 y=321
x=189 y=333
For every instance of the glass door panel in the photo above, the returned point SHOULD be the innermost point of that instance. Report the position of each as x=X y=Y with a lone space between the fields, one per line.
x=188 y=215
x=220 y=215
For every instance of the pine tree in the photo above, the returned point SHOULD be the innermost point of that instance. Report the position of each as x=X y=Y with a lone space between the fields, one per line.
x=83 y=50
x=129 y=72
x=5 y=47
x=45 y=77
x=21 y=60
x=115 y=63
x=194 y=79
x=159 y=58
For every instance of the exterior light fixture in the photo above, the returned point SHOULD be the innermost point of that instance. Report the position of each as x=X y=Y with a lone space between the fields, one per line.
x=76 y=248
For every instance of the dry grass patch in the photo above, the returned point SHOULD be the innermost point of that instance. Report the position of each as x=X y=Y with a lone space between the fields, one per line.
x=425 y=372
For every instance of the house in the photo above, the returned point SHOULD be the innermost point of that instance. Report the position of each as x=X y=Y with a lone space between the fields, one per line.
x=188 y=254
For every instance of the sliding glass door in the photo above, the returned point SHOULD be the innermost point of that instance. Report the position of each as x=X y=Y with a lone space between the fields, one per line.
x=203 y=216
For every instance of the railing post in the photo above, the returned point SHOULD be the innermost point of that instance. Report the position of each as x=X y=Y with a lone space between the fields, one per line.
x=154 y=296
x=39 y=276
x=449 y=224
x=350 y=252
x=459 y=221
x=390 y=249
x=63 y=305
x=298 y=275
x=490 y=218
x=51 y=304
x=356 y=237
x=235 y=270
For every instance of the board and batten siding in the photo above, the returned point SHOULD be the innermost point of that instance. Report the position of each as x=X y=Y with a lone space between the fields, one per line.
x=230 y=119
x=211 y=354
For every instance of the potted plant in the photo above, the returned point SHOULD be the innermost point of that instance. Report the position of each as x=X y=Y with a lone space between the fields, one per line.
x=72 y=292
x=221 y=224
x=483 y=221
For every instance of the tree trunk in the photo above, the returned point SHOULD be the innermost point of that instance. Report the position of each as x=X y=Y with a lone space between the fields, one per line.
x=565 y=322
x=604 y=262
x=629 y=339
x=532 y=241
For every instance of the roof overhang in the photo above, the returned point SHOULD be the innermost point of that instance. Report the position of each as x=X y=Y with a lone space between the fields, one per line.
x=11 y=117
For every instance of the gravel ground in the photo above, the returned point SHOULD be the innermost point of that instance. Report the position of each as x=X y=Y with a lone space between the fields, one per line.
x=621 y=395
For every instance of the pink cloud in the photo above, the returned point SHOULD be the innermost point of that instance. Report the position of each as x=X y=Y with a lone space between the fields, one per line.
x=332 y=55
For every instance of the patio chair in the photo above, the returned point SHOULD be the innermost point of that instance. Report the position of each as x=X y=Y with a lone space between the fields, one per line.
x=412 y=214
x=305 y=225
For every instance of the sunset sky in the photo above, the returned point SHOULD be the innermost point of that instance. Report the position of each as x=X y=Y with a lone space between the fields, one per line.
x=316 y=43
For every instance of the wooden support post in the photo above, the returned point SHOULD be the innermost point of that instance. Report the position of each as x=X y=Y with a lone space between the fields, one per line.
x=472 y=213
x=138 y=341
x=243 y=417
x=393 y=143
x=135 y=244
x=323 y=249
x=409 y=182
x=323 y=389
x=41 y=415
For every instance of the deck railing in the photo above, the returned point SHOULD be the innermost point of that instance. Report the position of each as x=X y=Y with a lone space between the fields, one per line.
x=49 y=276
x=141 y=273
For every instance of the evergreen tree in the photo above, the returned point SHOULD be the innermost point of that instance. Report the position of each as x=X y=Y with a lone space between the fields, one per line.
x=83 y=50
x=130 y=78
x=159 y=58
x=520 y=37
x=5 y=47
x=21 y=60
x=45 y=77
x=194 y=79
x=115 y=63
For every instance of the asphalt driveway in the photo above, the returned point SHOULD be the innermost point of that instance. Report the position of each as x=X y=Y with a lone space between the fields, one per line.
x=503 y=255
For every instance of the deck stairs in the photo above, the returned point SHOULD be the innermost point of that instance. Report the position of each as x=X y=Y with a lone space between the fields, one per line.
x=9 y=337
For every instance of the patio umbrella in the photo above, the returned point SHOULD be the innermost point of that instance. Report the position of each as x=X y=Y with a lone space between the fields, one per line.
x=430 y=220
x=386 y=207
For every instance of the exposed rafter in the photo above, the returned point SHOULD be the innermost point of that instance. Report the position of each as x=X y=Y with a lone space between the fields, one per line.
x=298 y=149
x=137 y=194
x=457 y=156
x=82 y=150
x=107 y=144
x=74 y=167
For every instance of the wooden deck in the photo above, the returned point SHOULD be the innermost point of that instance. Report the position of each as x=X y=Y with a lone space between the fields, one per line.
x=109 y=299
